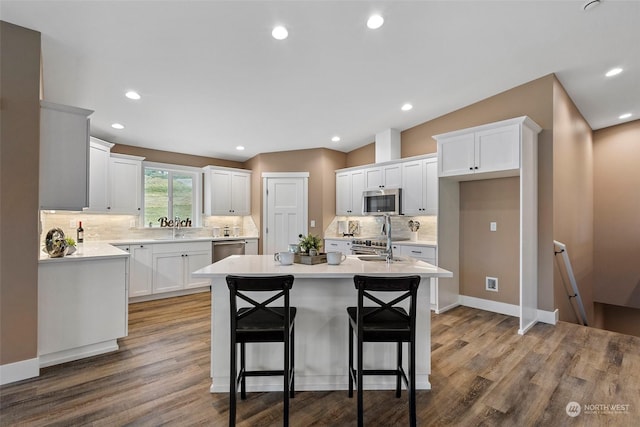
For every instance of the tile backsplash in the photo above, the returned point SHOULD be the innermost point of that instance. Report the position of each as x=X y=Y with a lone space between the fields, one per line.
x=118 y=227
x=370 y=226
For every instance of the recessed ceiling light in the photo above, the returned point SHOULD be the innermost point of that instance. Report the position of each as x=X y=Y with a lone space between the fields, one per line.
x=406 y=107
x=335 y=139
x=280 y=33
x=624 y=116
x=375 y=21
x=613 y=72
x=132 y=95
x=240 y=147
x=117 y=126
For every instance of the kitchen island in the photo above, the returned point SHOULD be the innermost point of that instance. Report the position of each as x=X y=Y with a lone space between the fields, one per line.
x=321 y=293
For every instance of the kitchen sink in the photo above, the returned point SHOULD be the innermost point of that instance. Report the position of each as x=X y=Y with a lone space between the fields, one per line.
x=379 y=258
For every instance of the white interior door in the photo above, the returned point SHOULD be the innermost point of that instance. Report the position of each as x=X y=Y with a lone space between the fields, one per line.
x=285 y=210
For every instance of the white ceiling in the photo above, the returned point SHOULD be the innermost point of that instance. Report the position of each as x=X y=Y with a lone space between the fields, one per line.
x=212 y=77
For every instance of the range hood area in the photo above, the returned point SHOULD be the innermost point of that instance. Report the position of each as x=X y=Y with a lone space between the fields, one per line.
x=387 y=145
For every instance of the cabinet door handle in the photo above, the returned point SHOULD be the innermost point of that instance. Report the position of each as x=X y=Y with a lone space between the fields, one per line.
x=471 y=168
x=416 y=252
x=476 y=167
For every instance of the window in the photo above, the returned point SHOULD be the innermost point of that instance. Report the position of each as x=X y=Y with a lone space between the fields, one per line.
x=171 y=191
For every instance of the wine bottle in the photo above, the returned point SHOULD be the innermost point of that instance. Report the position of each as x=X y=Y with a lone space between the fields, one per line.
x=80 y=233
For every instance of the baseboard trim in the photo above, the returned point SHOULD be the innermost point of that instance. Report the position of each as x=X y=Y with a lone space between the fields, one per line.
x=488 y=305
x=18 y=371
x=78 y=353
x=164 y=295
x=550 y=317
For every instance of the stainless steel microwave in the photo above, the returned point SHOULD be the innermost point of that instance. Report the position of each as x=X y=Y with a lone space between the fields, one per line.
x=386 y=201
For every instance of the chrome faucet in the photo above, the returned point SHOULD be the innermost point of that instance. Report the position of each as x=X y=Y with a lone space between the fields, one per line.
x=386 y=229
x=176 y=225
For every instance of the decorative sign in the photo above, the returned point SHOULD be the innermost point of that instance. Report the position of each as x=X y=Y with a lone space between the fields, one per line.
x=166 y=222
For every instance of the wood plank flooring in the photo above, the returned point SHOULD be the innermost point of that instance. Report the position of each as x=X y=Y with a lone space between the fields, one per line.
x=483 y=373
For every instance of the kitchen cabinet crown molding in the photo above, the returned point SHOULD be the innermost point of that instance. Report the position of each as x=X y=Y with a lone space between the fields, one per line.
x=390 y=162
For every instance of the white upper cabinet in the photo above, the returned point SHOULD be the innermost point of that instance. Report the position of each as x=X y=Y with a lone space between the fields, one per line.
x=227 y=191
x=387 y=176
x=125 y=184
x=115 y=181
x=349 y=188
x=100 y=153
x=489 y=149
x=64 y=157
x=420 y=187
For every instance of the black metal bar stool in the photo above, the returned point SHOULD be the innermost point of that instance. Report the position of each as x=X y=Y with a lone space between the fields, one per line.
x=381 y=321
x=258 y=323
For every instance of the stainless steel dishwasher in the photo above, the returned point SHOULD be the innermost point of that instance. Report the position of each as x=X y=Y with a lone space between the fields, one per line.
x=223 y=248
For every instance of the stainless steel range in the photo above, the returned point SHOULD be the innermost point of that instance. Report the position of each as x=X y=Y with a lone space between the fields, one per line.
x=370 y=246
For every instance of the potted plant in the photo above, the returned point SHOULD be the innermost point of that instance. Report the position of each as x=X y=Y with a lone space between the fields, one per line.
x=71 y=245
x=310 y=244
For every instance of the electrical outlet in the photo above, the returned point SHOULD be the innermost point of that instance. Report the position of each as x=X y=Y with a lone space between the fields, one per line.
x=313 y=223
x=493 y=226
x=72 y=223
x=132 y=223
x=491 y=284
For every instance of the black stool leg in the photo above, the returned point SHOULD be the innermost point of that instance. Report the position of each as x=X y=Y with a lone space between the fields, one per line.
x=399 y=370
x=285 y=372
x=350 y=372
x=412 y=384
x=232 y=385
x=359 y=385
x=243 y=384
x=292 y=373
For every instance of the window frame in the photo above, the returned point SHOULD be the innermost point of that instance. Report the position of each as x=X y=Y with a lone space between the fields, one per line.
x=196 y=197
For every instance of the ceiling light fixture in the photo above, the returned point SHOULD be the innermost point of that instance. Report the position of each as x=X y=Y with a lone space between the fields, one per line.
x=335 y=139
x=590 y=4
x=280 y=33
x=240 y=147
x=117 y=126
x=375 y=21
x=132 y=95
x=406 y=107
x=613 y=72
x=624 y=116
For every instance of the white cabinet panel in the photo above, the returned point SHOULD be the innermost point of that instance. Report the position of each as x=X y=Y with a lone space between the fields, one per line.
x=349 y=188
x=140 y=270
x=125 y=185
x=251 y=247
x=337 y=245
x=99 y=175
x=173 y=264
x=388 y=176
x=80 y=304
x=227 y=191
x=488 y=150
x=64 y=157
x=420 y=187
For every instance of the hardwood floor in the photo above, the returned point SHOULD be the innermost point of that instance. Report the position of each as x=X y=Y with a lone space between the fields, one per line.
x=483 y=373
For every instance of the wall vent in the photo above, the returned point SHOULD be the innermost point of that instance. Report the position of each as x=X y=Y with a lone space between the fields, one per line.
x=491 y=284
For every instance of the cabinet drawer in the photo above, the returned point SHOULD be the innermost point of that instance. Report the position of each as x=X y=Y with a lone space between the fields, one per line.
x=159 y=248
x=422 y=252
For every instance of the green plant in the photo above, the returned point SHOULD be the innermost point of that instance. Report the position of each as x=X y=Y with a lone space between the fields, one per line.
x=310 y=242
x=70 y=241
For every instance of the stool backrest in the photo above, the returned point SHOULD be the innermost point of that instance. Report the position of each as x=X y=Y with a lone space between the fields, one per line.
x=238 y=285
x=407 y=286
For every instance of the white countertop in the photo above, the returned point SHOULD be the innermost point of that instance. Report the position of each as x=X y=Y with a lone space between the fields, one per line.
x=256 y=265
x=87 y=251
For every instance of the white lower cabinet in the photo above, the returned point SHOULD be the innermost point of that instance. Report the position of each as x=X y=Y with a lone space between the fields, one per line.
x=140 y=269
x=173 y=264
x=251 y=247
x=337 y=245
x=423 y=253
x=82 y=308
